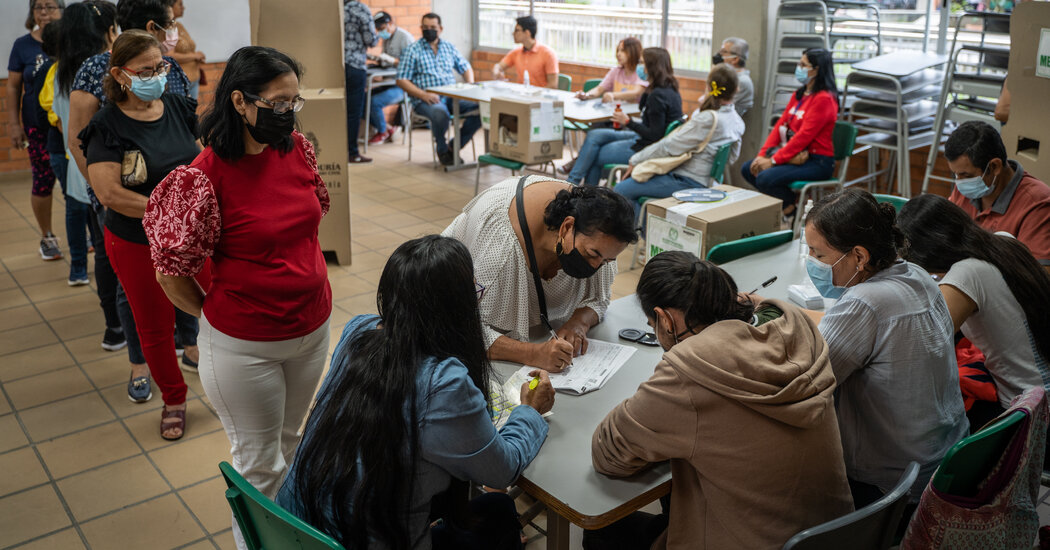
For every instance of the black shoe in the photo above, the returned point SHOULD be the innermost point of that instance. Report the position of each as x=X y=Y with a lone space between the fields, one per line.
x=360 y=159
x=188 y=365
x=446 y=158
x=114 y=339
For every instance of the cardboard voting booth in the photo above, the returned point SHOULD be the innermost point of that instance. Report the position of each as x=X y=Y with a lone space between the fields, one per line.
x=526 y=130
x=697 y=226
x=280 y=24
x=1027 y=135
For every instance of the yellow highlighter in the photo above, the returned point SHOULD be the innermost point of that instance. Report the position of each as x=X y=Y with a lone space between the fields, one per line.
x=534 y=383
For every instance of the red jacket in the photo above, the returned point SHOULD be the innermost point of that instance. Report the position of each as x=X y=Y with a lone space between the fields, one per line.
x=813 y=123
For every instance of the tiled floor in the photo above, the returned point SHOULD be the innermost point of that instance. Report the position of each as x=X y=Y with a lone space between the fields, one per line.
x=83 y=467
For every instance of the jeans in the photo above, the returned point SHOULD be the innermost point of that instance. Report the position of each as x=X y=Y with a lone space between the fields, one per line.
x=195 y=89
x=355 y=105
x=602 y=146
x=76 y=221
x=385 y=96
x=658 y=187
x=776 y=181
x=105 y=278
x=440 y=116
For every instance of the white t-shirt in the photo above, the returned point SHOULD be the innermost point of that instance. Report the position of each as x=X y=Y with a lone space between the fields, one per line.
x=997 y=327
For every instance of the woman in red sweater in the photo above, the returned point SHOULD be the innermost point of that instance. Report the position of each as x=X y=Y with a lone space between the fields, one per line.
x=800 y=148
x=252 y=201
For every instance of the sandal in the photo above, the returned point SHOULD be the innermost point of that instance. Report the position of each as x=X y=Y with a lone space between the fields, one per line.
x=139 y=389
x=165 y=414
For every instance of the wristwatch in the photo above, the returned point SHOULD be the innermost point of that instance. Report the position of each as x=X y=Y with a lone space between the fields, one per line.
x=773 y=161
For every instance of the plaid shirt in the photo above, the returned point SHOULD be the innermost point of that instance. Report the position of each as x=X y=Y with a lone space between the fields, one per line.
x=360 y=33
x=423 y=68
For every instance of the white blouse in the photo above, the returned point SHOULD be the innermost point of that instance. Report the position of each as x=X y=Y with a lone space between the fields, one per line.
x=510 y=306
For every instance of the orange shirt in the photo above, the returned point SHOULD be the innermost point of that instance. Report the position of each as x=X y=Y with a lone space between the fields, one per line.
x=540 y=61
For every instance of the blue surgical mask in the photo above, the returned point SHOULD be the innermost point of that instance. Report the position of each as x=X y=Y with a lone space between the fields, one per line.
x=974 y=188
x=149 y=90
x=802 y=74
x=640 y=71
x=823 y=277
x=384 y=34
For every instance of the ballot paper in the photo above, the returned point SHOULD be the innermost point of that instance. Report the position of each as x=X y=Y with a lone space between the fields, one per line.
x=591 y=370
x=505 y=397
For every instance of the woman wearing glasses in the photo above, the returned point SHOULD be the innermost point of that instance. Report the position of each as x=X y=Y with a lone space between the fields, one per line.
x=131 y=145
x=252 y=202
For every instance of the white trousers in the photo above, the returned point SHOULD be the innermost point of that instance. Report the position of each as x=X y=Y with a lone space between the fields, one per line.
x=261 y=392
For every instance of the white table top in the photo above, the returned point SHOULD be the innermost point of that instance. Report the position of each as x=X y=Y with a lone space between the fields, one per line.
x=576 y=110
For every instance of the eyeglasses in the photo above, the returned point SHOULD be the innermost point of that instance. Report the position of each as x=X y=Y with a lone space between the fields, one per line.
x=280 y=107
x=479 y=289
x=149 y=74
x=45 y=9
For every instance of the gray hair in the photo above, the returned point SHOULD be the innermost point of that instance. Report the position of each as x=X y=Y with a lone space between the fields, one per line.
x=739 y=48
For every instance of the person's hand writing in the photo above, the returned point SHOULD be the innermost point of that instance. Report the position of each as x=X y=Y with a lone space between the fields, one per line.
x=621 y=118
x=542 y=397
x=431 y=98
x=575 y=334
x=553 y=355
x=582 y=95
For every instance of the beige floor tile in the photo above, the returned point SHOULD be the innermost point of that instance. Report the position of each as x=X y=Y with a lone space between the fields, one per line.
x=359 y=305
x=200 y=420
x=12 y=298
x=193 y=382
x=367 y=210
x=26 y=338
x=55 y=289
x=24 y=259
x=30 y=514
x=47 y=387
x=91 y=323
x=202 y=545
x=11 y=224
x=21 y=470
x=193 y=460
x=112 y=370
x=160 y=523
x=349 y=285
x=65 y=416
x=208 y=501
x=117 y=398
x=364 y=227
x=225 y=541
x=5 y=407
x=95 y=492
x=419 y=230
x=35 y=361
x=19 y=317
x=87 y=449
x=62 y=540
x=377 y=240
x=400 y=219
x=89 y=348
x=43 y=273
x=366 y=261
x=69 y=306
x=7 y=281
x=11 y=434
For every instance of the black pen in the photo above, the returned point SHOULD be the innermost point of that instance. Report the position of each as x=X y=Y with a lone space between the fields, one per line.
x=771 y=280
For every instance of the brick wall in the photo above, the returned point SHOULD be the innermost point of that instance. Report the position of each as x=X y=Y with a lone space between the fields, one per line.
x=407 y=13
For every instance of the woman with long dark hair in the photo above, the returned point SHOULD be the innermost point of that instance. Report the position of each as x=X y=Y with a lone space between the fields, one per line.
x=800 y=148
x=252 y=202
x=890 y=339
x=996 y=291
x=661 y=104
x=402 y=417
x=742 y=404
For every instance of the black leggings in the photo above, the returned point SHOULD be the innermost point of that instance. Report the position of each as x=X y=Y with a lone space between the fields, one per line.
x=498 y=527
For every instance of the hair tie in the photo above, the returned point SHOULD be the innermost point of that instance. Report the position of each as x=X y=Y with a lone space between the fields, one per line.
x=94 y=7
x=716 y=90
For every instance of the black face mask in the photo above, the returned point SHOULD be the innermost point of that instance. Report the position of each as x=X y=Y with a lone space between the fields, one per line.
x=271 y=128
x=716 y=59
x=574 y=264
x=430 y=35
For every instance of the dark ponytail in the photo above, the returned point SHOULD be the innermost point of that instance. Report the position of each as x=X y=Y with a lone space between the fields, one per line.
x=704 y=292
x=595 y=209
x=853 y=217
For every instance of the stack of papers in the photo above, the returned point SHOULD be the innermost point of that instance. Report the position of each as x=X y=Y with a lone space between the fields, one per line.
x=591 y=370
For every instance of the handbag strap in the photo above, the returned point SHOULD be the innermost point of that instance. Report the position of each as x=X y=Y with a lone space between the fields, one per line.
x=523 y=223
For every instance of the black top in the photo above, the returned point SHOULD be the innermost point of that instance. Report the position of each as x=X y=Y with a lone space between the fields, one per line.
x=165 y=143
x=660 y=107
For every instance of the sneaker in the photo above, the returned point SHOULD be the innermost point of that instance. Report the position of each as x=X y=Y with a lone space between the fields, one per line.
x=360 y=159
x=380 y=137
x=49 y=248
x=567 y=167
x=179 y=350
x=78 y=280
x=114 y=339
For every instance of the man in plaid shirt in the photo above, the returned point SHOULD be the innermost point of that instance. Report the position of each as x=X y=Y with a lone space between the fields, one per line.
x=430 y=62
x=360 y=35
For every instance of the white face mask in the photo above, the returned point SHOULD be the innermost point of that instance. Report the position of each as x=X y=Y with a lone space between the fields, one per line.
x=171 y=38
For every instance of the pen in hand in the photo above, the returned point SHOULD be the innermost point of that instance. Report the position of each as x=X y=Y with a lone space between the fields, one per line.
x=772 y=280
x=554 y=336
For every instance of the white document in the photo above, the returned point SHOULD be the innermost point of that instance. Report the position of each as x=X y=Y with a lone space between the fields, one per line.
x=591 y=370
x=507 y=396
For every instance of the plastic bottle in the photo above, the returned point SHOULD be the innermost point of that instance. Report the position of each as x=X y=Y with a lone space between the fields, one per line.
x=525 y=79
x=803 y=248
x=616 y=125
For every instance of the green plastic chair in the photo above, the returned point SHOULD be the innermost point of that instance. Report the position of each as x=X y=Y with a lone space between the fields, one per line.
x=844 y=139
x=971 y=460
x=591 y=83
x=564 y=82
x=896 y=201
x=512 y=165
x=264 y=524
x=732 y=250
x=718 y=166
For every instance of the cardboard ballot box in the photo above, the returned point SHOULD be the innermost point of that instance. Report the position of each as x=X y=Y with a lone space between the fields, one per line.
x=1029 y=84
x=526 y=130
x=278 y=24
x=697 y=226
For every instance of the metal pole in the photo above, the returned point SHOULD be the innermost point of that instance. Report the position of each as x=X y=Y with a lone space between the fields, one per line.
x=942 y=35
x=664 y=23
x=926 y=28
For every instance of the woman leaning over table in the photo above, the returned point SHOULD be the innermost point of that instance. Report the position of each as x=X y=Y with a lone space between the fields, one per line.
x=890 y=337
x=252 y=202
x=131 y=144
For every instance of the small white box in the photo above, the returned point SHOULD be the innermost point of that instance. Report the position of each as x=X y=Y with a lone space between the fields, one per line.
x=806 y=295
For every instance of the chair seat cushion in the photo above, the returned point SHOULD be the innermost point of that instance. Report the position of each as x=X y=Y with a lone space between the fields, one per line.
x=508 y=164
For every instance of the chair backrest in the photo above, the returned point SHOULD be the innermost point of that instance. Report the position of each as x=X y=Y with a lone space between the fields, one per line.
x=870 y=528
x=844 y=138
x=727 y=252
x=718 y=166
x=564 y=82
x=591 y=83
x=264 y=524
x=971 y=460
x=897 y=202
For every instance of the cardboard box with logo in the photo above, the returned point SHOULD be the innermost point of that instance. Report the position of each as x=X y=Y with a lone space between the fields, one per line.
x=526 y=130
x=278 y=24
x=697 y=226
x=1029 y=84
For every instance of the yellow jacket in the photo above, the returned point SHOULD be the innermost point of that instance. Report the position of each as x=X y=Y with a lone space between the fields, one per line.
x=47 y=95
